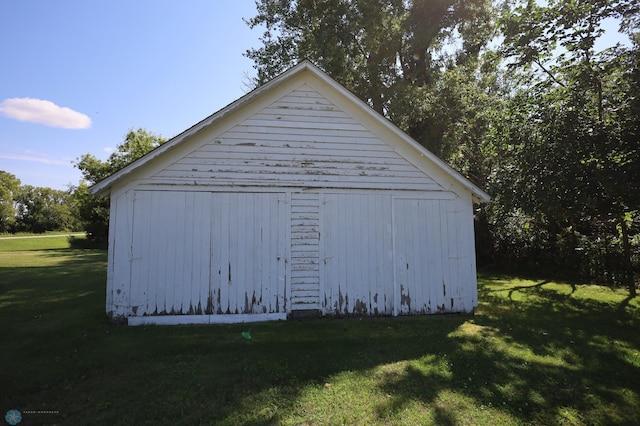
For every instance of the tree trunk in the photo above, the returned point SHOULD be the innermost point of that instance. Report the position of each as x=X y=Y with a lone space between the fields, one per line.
x=629 y=279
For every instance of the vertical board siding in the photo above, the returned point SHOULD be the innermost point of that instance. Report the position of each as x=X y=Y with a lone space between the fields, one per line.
x=305 y=251
x=467 y=296
x=249 y=253
x=288 y=202
x=433 y=265
x=119 y=285
x=356 y=247
x=203 y=253
x=300 y=140
x=195 y=253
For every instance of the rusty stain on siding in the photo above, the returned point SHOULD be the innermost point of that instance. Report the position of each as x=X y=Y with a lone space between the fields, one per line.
x=405 y=299
x=346 y=303
x=209 y=308
x=444 y=289
x=285 y=291
x=360 y=307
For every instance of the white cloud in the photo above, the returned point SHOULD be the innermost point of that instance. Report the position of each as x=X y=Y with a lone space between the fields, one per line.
x=44 y=112
x=108 y=150
x=35 y=159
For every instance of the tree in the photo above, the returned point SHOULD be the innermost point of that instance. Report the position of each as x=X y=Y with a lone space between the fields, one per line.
x=9 y=185
x=94 y=211
x=370 y=47
x=570 y=147
x=41 y=209
x=422 y=64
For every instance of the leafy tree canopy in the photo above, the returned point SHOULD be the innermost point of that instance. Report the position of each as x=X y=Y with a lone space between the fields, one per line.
x=136 y=144
x=9 y=186
x=370 y=47
x=568 y=142
x=94 y=211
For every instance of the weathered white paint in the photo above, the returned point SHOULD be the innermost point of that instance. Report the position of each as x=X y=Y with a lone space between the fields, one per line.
x=305 y=251
x=305 y=73
x=388 y=255
x=296 y=197
x=434 y=265
x=318 y=145
x=357 y=254
x=195 y=253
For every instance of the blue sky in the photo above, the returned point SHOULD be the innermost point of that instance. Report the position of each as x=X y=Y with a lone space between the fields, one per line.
x=92 y=70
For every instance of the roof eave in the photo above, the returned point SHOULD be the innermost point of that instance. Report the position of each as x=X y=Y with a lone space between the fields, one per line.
x=103 y=187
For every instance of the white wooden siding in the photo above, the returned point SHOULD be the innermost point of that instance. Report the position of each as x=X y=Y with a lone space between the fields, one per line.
x=199 y=253
x=305 y=251
x=119 y=269
x=435 y=266
x=221 y=253
x=421 y=255
x=296 y=197
x=357 y=260
x=300 y=140
x=388 y=255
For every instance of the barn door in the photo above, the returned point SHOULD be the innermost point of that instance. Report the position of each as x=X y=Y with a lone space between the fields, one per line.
x=169 y=252
x=356 y=264
x=208 y=253
x=421 y=248
x=249 y=251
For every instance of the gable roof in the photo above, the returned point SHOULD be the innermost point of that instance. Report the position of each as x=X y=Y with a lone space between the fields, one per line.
x=102 y=187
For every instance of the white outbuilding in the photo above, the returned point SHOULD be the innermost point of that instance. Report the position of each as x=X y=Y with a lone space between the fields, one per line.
x=298 y=197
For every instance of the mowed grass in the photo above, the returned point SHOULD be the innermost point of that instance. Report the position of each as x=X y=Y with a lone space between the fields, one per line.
x=534 y=353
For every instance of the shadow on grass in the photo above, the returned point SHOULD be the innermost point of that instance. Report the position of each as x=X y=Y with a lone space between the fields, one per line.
x=60 y=282
x=543 y=357
x=625 y=303
x=548 y=360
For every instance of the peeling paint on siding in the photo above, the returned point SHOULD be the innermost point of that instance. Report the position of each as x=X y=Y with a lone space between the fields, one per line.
x=353 y=234
x=182 y=276
x=405 y=299
x=360 y=308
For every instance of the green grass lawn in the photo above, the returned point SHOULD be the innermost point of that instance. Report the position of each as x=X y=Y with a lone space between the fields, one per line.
x=534 y=353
